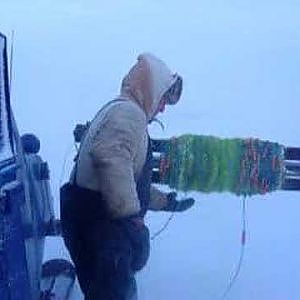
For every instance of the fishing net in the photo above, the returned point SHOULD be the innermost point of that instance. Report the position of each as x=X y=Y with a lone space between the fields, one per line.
x=210 y=164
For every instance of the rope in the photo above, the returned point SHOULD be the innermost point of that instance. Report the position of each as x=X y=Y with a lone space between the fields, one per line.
x=62 y=250
x=63 y=169
x=70 y=289
x=237 y=271
x=163 y=228
x=159 y=122
x=49 y=294
x=167 y=223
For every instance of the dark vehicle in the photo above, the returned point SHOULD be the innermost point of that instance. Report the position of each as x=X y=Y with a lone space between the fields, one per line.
x=26 y=211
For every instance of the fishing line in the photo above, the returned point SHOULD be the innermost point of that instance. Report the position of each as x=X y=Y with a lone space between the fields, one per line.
x=237 y=271
x=167 y=223
x=63 y=169
x=164 y=227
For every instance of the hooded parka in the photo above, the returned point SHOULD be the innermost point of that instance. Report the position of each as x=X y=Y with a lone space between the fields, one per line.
x=114 y=149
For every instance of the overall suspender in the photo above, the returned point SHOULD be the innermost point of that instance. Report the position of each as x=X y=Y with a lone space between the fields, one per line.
x=76 y=159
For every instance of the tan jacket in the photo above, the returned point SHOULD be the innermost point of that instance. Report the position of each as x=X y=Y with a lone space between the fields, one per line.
x=113 y=151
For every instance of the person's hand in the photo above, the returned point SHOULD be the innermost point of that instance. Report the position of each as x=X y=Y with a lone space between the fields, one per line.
x=139 y=237
x=137 y=221
x=174 y=205
x=80 y=131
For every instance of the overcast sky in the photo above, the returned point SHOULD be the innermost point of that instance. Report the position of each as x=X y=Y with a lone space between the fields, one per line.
x=241 y=67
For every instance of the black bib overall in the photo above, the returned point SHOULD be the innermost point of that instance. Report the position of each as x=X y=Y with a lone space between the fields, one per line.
x=105 y=252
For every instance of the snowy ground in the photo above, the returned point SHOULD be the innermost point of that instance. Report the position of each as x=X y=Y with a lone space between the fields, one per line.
x=240 y=63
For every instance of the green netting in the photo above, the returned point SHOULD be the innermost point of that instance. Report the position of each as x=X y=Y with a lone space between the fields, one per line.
x=210 y=164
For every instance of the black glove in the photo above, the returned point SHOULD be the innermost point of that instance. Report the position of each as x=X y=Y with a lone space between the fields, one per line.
x=139 y=236
x=174 y=205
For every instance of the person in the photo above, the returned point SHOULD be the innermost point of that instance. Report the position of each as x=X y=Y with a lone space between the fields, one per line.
x=109 y=192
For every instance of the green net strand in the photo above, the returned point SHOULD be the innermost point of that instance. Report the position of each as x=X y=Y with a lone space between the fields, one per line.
x=210 y=164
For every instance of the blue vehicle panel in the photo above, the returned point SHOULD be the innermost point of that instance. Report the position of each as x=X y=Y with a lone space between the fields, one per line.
x=26 y=210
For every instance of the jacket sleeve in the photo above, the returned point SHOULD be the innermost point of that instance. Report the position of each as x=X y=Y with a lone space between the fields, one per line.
x=113 y=150
x=158 y=199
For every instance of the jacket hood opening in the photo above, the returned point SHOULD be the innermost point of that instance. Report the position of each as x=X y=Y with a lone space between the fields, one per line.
x=148 y=81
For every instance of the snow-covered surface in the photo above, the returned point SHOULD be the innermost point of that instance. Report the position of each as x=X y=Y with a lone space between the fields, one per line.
x=240 y=65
